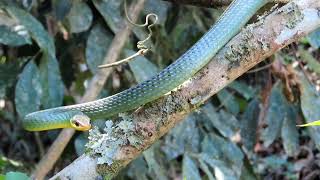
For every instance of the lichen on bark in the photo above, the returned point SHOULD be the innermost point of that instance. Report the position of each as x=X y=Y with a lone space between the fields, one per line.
x=105 y=144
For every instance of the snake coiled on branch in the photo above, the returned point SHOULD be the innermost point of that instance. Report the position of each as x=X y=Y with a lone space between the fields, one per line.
x=79 y=116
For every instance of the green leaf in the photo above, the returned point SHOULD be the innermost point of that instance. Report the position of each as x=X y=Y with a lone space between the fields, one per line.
x=138 y=169
x=110 y=10
x=16 y=176
x=275 y=114
x=223 y=121
x=313 y=123
x=35 y=28
x=247 y=172
x=204 y=167
x=80 y=17
x=51 y=82
x=230 y=151
x=12 y=38
x=246 y=91
x=249 y=124
x=210 y=118
x=154 y=166
x=141 y=67
x=160 y=8
x=79 y=144
x=289 y=132
x=229 y=101
x=184 y=33
x=61 y=8
x=275 y=161
x=231 y=121
x=2 y=177
x=221 y=169
x=8 y=74
x=184 y=137
x=314 y=38
x=28 y=90
x=210 y=147
x=310 y=103
x=216 y=149
x=189 y=168
x=312 y=62
x=6 y=2
x=98 y=44
x=54 y=98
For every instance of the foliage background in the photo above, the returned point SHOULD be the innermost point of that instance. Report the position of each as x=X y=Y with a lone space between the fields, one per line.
x=50 y=49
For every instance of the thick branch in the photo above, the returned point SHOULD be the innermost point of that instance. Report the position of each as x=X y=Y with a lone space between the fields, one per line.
x=251 y=46
x=96 y=85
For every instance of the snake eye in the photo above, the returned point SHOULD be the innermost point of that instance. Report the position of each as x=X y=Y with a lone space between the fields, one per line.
x=76 y=123
x=80 y=122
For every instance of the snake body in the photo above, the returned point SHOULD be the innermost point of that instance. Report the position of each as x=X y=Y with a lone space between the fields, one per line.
x=228 y=25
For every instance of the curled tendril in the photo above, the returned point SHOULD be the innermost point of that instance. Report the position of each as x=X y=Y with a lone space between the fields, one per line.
x=143 y=49
x=141 y=44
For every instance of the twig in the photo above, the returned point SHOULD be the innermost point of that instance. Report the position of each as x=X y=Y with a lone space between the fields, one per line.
x=141 y=52
x=251 y=46
x=259 y=68
x=96 y=85
x=210 y=3
x=39 y=143
x=202 y=3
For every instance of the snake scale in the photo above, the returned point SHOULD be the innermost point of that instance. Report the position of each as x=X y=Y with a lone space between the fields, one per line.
x=79 y=116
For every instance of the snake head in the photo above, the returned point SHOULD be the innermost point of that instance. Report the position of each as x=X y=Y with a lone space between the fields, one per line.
x=80 y=122
x=55 y=118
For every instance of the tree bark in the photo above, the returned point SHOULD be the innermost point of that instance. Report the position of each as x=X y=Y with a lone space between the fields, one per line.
x=251 y=46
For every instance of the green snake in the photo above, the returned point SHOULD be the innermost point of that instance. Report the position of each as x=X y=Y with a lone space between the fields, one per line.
x=79 y=116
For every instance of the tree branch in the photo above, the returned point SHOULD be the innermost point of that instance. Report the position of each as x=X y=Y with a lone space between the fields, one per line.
x=202 y=3
x=210 y=3
x=96 y=85
x=251 y=46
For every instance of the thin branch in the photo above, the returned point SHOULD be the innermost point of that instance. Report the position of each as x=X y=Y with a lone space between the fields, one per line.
x=39 y=143
x=96 y=85
x=202 y=3
x=211 y=3
x=259 y=68
x=141 y=52
x=251 y=46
